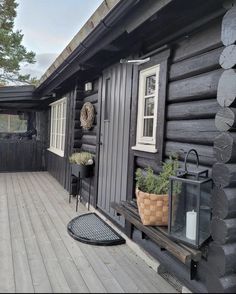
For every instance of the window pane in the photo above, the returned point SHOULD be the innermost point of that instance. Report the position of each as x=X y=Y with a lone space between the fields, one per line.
x=3 y=123
x=17 y=124
x=149 y=107
x=13 y=123
x=58 y=123
x=150 y=85
x=148 y=127
x=58 y=127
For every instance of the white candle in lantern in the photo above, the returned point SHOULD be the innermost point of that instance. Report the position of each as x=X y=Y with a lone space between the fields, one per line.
x=191 y=225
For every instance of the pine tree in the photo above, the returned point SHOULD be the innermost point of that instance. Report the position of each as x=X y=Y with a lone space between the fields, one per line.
x=12 y=52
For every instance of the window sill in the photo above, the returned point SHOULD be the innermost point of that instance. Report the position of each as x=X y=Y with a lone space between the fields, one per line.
x=56 y=151
x=145 y=148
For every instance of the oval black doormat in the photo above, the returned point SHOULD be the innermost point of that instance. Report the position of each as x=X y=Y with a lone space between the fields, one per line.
x=91 y=229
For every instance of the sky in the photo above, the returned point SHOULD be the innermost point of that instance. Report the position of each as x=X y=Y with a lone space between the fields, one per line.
x=48 y=26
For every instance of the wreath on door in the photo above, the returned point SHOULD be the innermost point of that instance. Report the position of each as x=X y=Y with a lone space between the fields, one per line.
x=87 y=116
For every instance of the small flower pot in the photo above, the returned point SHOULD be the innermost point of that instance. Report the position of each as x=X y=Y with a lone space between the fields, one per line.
x=84 y=171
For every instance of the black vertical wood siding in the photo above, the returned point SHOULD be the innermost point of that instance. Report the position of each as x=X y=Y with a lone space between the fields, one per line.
x=21 y=156
x=25 y=155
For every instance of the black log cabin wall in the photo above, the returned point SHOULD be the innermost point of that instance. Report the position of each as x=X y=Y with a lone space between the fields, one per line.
x=193 y=78
x=86 y=140
x=222 y=252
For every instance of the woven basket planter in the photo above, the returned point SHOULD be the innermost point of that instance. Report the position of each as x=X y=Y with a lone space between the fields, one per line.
x=153 y=209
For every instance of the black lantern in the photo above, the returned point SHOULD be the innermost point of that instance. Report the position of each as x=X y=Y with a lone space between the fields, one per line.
x=190 y=205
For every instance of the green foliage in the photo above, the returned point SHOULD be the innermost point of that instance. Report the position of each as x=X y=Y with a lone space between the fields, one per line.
x=12 y=53
x=153 y=184
x=82 y=158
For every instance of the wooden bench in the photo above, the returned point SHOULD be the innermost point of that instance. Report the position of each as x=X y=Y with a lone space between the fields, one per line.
x=159 y=235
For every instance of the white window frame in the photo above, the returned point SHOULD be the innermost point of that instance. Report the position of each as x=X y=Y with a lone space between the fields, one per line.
x=58 y=127
x=147 y=144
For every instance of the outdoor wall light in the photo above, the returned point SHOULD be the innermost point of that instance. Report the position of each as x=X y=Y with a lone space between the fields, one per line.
x=135 y=61
x=190 y=209
x=88 y=87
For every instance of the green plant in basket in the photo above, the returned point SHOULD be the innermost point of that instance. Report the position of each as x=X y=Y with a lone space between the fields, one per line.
x=152 y=184
x=81 y=158
x=152 y=193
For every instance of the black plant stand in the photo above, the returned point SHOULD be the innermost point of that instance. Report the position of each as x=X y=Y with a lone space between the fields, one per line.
x=81 y=172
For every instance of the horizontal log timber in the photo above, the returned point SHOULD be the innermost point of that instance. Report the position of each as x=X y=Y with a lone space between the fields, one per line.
x=223 y=231
x=196 y=65
x=228 y=35
x=85 y=186
x=195 y=88
x=224 y=202
x=78 y=134
x=77 y=114
x=224 y=175
x=93 y=98
x=222 y=259
x=86 y=181
x=79 y=104
x=192 y=131
x=228 y=57
x=206 y=39
x=88 y=148
x=90 y=132
x=89 y=139
x=77 y=143
x=226 y=119
x=225 y=284
x=228 y=4
x=225 y=147
x=202 y=109
x=206 y=153
x=146 y=162
x=226 y=94
x=90 y=93
x=77 y=124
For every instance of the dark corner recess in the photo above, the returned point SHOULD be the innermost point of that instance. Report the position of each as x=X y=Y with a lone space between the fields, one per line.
x=91 y=229
x=188 y=256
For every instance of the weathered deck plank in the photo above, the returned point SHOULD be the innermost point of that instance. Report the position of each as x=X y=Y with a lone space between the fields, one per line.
x=22 y=272
x=38 y=255
x=54 y=270
x=7 y=282
x=39 y=273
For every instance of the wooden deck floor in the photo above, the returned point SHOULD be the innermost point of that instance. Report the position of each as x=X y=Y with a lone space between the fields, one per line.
x=37 y=254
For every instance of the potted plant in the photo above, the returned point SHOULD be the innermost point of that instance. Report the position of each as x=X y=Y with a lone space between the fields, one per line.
x=152 y=193
x=81 y=164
